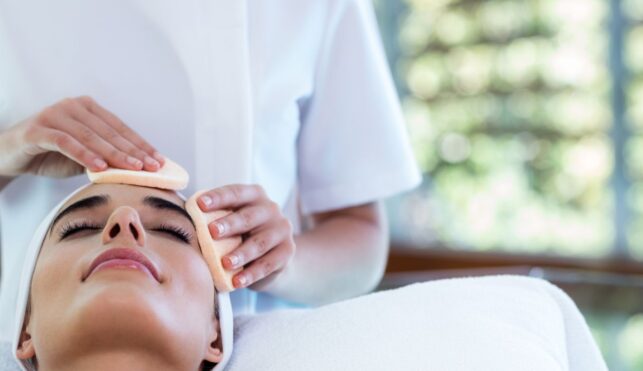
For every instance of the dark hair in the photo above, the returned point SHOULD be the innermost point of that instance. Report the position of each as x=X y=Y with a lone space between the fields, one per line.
x=207 y=366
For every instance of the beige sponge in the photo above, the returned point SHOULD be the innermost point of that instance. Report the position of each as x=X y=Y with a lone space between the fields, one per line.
x=213 y=250
x=171 y=176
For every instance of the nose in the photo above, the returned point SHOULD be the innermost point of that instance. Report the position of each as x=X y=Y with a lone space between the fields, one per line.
x=124 y=224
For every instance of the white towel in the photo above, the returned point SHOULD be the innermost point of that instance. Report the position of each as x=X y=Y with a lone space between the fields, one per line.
x=490 y=323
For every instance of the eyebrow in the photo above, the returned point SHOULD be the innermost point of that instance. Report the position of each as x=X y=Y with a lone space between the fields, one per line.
x=84 y=204
x=163 y=204
x=100 y=200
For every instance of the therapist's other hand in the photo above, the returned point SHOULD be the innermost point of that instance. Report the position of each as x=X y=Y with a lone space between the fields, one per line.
x=71 y=135
x=268 y=245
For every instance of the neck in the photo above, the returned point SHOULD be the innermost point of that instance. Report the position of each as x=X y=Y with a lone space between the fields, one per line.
x=114 y=360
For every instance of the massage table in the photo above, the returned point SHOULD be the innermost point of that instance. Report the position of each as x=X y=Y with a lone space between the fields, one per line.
x=491 y=323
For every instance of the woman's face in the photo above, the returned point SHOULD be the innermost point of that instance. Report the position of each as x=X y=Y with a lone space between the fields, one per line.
x=84 y=303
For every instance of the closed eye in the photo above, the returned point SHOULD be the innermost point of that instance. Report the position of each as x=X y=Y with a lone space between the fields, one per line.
x=175 y=231
x=72 y=229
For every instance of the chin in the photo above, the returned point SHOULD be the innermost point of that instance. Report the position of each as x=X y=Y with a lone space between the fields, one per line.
x=107 y=319
x=122 y=312
x=126 y=316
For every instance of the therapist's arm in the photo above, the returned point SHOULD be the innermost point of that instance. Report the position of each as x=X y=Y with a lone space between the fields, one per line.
x=342 y=255
x=65 y=138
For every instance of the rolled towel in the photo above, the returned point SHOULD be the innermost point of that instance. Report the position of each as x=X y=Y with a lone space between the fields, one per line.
x=493 y=323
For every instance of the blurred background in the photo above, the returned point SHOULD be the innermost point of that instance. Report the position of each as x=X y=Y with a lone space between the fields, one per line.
x=526 y=117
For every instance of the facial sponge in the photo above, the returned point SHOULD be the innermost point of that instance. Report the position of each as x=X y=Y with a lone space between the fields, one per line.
x=213 y=250
x=171 y=176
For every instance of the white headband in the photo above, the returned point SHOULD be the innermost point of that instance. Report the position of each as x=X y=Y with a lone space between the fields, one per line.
x=31 y=256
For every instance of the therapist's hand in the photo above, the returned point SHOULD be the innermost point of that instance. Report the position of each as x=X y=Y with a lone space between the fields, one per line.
x=268 y=244
x=71 y=135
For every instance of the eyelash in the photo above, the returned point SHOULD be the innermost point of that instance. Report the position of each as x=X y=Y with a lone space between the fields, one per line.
x=176 y=231
x=73 y=228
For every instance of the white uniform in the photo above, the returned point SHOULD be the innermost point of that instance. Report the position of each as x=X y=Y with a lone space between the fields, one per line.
x=294 y=95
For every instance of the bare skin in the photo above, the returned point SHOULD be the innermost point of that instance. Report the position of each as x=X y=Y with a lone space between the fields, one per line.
x=342 y=254
x=70 y=135
x=121 y=317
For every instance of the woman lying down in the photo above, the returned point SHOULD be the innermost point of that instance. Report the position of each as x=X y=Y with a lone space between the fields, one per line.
x=81 y=308
x=117 y=281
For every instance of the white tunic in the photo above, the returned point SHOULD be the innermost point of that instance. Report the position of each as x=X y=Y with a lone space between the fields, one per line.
x=294 y=95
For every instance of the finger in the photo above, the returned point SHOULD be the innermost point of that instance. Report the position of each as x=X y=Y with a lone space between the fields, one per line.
x=231 y=196
x=58 y=141
x=243 y=220
x=254 y=247
x=105 y=131
x=273 y=261
x=91 y=140
x=120 y=127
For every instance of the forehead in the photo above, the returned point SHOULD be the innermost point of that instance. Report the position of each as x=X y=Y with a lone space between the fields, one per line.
x=124 y=194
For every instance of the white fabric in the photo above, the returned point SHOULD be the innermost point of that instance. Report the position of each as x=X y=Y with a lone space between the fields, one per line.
x=492 y=323
x=321 y=100
x=31 y=258
x=350 y=118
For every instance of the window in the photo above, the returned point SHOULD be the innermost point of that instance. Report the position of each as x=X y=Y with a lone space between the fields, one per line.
x=526 y=117
x=508 y=108
x=633 y=88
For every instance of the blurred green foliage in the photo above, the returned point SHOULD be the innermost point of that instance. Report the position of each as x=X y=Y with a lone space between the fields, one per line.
x=508 y=109
x=633 y=55
x=509 y=113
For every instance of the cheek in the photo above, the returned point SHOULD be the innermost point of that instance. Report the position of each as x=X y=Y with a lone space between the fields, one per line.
x=55 y=281
x=190 y=280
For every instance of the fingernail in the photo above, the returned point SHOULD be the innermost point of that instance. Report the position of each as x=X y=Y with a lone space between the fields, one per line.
x=152 y=162
x=159 y=157
x=207 y=201
x=234 y=260
x=220 y=228
x=242 y=280
x=134 y=161
x=100 y=163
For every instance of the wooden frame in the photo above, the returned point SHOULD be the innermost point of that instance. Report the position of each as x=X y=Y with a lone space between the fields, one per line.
x=611 y=284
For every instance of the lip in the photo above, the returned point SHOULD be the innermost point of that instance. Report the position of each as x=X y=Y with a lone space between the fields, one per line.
x=123 y=257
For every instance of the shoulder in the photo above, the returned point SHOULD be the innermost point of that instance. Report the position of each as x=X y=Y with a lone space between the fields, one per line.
x=290 y=22
x=306 y=9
